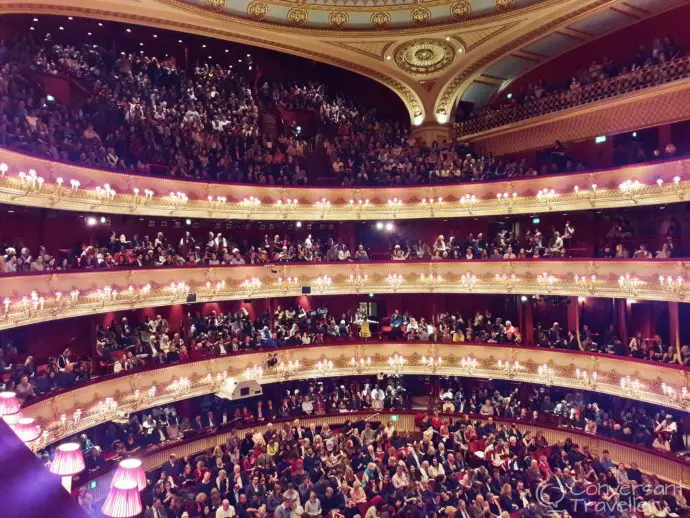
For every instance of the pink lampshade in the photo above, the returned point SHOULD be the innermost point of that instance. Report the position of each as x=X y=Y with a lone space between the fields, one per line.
x=123 y=500
x=9 y=404
x=27 y=429
x=68 y=460
x=12 y=419
x=128 y=470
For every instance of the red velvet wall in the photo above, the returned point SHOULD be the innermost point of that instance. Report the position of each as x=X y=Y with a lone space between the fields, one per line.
x=620 y=46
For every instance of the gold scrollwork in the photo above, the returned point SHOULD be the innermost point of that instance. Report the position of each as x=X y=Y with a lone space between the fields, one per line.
x=338 y=19
x=461 y=10
x=505 y=5
x=424 y=56
x=420 y=16
x=257 y=10
x=381 y=19
x=216 y=5
x=297 y=16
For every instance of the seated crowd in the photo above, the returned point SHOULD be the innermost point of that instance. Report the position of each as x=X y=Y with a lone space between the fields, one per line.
x=462 y=466
x=125 y=346
x=148 y=115
x=659 y=52
x=120 y=251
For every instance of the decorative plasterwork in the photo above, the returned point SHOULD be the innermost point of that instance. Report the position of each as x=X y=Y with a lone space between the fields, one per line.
x=69 y=187
x=424 y=56
x=373 y=49
x=29 y=299
x=450 y=93
x=368 y=15
x=134 y=392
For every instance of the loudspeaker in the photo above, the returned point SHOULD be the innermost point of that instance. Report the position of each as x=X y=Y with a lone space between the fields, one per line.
x=191 y=297
x=306 y=290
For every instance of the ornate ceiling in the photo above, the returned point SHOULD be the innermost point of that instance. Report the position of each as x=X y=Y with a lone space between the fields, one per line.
x=360 y=14
x=430 y=52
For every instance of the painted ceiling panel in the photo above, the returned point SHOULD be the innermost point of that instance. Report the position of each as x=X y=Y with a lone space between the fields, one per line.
x=479 y=93
x=654 y=6
x=552 y=45
x=509 y=67
x=603 y=22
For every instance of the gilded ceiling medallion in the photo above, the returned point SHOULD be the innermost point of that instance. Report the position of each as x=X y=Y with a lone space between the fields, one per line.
x=505 y=5
x=297 y=16
x=420 y=16
x=380 y=19
x=338 y=19
x=461 y=10
x=257 y=10
x=424 y=56
x=216 y=5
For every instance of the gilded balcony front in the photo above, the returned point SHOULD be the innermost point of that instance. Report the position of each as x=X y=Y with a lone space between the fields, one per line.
x=78 y=409
x=29 y=299
x=34 y=182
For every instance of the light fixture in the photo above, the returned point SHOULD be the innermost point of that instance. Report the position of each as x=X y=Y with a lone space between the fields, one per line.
x=468 y=200
x=359 y=363
x=254 y=372
x=468 y=281
x=9 y=404
x=546 y=374
x=395 y=280
x=587 y=379
x=27 y=429
x=291 y=366
x=323 y=204
x=123 y=500
x=432 y=363
x=632 y=386
x=67 y=462
x=323 y=366
x=545 y=280
x=588 y=283
x=671 y=284
x=510 y=368
x=469 y=365
x=628 y=283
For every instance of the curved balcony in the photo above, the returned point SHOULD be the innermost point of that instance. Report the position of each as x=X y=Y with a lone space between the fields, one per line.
x=669 y=468
x=67 y=413
x=68 y=187
x=642 y=78
x=29 y=299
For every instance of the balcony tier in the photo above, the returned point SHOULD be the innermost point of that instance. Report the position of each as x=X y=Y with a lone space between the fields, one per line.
x=67 y=413
x=61 y=186
x=29 y=299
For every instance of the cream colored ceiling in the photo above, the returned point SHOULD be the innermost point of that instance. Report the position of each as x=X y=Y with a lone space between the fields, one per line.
x=430 y=60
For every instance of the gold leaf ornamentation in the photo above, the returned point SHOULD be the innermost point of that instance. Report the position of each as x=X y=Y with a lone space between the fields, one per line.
x=297 y=16
x=338 y=19
x=461 y=10
x=420 y=16
x=257 y=10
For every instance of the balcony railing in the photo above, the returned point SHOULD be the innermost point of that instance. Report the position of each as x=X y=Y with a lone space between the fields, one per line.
x=641 y=78
x=70 y=412
x=29 y=299
x=34 y=182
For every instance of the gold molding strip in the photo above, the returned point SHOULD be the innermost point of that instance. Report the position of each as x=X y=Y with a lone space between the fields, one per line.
x=34 y=182
x=88 y=406
x=30 y=299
